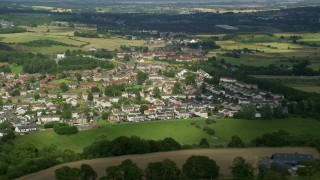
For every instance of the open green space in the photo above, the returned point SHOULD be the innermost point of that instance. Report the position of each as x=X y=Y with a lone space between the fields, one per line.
x=16 y=69
x=181 y=130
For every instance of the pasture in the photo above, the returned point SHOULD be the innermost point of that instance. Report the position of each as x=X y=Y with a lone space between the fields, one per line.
x=223 y=157
x=181 y=130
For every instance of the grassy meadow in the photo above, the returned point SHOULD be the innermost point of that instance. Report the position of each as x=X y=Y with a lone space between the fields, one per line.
x=181 y=130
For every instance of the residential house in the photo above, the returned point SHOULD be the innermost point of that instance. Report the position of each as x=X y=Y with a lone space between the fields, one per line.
x=25 y=128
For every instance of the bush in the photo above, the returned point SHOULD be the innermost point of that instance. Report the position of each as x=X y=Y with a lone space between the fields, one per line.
x=209 y=130
x=62 y=128
x=51 y=124
x=210 y=121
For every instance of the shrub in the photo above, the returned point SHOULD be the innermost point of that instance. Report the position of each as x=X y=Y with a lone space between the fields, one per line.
x=63 y=128
x=209 y=130
x=210 y=121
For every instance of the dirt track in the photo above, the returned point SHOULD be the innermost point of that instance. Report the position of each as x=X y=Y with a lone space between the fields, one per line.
x=223 y=157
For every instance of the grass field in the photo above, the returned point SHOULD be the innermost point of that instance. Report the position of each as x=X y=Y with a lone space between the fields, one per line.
x=223 y=157
x=181 y=130
x=16 y=69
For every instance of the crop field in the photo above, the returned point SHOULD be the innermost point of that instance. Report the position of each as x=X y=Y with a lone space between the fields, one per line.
x=181 y=130
x=63 y=35
x=223 y=157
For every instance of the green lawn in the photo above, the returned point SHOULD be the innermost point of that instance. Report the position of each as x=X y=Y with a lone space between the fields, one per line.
x=181 y=130
x=16 y=69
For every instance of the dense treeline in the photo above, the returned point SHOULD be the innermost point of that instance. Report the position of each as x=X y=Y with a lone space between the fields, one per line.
x=299 y=69
x=128 y=145
x=283 y=138
x=81 y=63
x=44 y=43
x=12 y=30
x=295 y=19
x=206 y=44
x=195 y=167
x=86 y=34
x=38 y=63
x=32 y=63
x=63 y=128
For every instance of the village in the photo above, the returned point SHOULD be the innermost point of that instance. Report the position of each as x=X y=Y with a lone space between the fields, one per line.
x=120 y=95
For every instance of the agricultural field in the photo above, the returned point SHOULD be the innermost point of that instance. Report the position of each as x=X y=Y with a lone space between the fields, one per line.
x=64 y=35
x=271 y=48
x=223 y=157
x=180 y=130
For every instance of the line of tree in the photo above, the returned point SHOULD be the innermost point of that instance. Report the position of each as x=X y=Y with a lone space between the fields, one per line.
x=86 y=34
x=12 y=30
x=63 y=128
x=195 y=167
x=45 y=43
x=103 y=147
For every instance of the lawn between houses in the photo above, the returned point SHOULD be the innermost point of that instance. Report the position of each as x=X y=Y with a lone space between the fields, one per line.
x=180 y=130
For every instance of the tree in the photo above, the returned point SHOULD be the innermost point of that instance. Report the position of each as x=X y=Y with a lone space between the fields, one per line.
x=143 y=108
x=176 y=88
x=64 y=87
x=66 y=114
x=200 y=167
x=242 y=170
x=114 y=173
x=170 y=170
x=3 y=168
x=190 y=79
x=90 y=96
x=309 y=169
x=87 y=173
x=138 y=98
x=36 y=97
x=1 y=102
x=105 y=115
x=249 y=111
x=236 y=141
x=130 y=170
x=141 y=77
x=154 y=171
x=126 y=57
x=278 y=112
x=266 y=112
x=95 y=89
x=78 y=76
x=165 y=170
x=156 y=92
x=203 y=88
x=67 y=173
x=204 y=143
